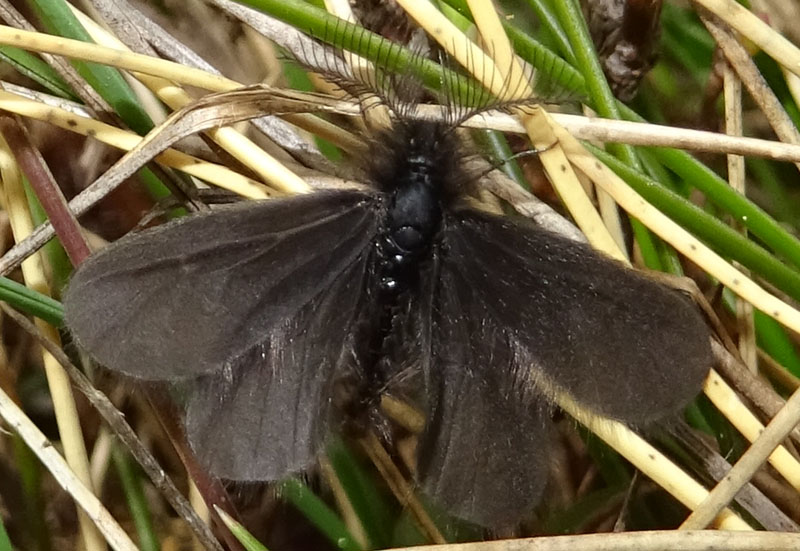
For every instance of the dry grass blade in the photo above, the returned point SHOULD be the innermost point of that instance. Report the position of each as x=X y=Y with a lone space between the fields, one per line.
x=634 y=133
x=402 y=490
x=698 y=540
x=626 y=132
x=740 y=60
x=783 y=423
x=210 y=112
x=730 y=405
x=712 y=466
x=48 y=455
x=69 y=117
x=759 y=393
x=756 y=30
x=91 y=52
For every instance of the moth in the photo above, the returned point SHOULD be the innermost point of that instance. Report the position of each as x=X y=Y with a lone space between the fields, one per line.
x=259 y=310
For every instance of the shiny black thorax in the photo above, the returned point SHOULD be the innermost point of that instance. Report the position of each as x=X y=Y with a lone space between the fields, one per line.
x=413 y=217
x=413 y=166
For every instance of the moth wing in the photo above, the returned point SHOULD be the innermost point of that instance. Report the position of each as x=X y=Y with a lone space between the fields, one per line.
x=484 y=452
x=267 y=414
x=249 y=306
x=189 y=297
x=619 y=343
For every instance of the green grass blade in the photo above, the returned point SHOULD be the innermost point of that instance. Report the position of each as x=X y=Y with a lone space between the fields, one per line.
x=315 y=510
x=37 y=70
x=31 y=302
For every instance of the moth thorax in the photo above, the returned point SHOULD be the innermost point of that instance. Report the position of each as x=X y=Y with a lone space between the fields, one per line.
x=413 y=218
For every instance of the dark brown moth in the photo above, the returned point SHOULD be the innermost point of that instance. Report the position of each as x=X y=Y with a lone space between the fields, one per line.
x=260 y=309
